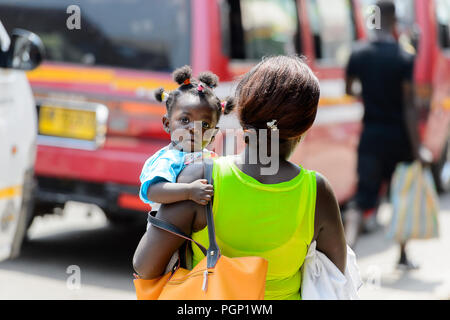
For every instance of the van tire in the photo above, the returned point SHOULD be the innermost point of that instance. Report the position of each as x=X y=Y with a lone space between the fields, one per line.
x=25 y=214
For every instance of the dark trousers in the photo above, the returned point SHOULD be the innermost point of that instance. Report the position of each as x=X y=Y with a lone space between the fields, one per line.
x=380 y=150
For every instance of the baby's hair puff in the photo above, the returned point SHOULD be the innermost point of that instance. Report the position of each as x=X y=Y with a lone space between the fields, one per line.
x=159 y=94
x=210 y=79
x=228 y=105
x=203 y=87
x=183 y=75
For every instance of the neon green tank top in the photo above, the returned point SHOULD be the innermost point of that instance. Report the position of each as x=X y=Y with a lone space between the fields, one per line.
x=273 y=221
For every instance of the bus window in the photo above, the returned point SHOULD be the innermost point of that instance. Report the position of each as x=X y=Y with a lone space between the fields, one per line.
x=406 y=25
x=405 y=11
x=119 y=33
x=259 y=28
x=333 y=30
x=443 y=18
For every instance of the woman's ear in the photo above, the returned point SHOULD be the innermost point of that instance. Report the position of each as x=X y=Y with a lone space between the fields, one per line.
x=166 y=123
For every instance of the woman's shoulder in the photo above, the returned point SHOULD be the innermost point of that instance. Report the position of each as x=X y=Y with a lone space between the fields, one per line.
x=327 y=206
x=324 y=187
x=195 y=170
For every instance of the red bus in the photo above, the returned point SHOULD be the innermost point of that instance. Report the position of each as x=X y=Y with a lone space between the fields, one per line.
x=98 y=121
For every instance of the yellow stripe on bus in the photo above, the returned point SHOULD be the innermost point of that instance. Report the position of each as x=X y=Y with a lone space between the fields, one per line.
x=342 y=100
x=10 y=192
x=446 y=104
x=49 y=73
x=99 y=77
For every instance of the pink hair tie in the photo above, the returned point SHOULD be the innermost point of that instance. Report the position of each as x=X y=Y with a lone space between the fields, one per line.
x=224 y=105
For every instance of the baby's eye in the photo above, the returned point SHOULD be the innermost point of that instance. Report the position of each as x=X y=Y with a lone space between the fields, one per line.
x=184 y=120
x=205 y=125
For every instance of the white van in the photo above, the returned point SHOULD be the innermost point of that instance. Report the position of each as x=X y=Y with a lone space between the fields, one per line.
x=23 y=51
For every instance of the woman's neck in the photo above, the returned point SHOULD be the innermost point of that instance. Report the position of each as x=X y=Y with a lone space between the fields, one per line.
x=265 y=169
x=267 y=160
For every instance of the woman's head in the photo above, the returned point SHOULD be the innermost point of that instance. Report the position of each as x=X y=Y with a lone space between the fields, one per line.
x=281 y=88
x=193 y=109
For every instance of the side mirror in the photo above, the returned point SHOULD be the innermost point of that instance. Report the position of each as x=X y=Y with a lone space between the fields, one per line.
x=26 y=50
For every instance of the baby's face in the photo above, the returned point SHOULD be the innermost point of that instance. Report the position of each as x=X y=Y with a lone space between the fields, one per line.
x=192 y=123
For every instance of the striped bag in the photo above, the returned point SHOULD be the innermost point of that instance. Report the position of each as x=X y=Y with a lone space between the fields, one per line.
x=415 y=204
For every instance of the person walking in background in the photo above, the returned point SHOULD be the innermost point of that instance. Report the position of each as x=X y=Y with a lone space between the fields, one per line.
x=390 y=132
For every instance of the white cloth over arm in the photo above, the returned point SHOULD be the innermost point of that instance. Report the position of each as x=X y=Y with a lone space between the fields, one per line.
x=322 y=280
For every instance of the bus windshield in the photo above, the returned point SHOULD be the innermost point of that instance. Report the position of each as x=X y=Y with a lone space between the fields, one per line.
x=138 y=34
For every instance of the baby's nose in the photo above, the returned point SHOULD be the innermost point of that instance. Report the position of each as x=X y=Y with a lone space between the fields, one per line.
x=195 y=126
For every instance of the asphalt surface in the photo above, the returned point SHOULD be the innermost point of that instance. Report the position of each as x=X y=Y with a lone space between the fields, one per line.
x=79 y=255
x=81 y=237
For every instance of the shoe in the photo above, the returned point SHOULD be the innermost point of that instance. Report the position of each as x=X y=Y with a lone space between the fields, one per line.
x=370 y=223
x=407 y=265
x=353 y=225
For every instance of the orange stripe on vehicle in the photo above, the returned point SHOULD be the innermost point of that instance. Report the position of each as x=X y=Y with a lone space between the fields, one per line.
x=51 y=73
x=93 y=76
x=343 y=100
x=10 y=192
x=446 y=104
x=143 y=108
x=132 y=202
x=133 y=84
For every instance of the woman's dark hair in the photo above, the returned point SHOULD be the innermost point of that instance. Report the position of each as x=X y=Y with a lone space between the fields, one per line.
x=206 y=81
x=281 y=88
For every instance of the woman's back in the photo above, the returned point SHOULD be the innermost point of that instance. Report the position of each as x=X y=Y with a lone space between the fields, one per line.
x=273 y=221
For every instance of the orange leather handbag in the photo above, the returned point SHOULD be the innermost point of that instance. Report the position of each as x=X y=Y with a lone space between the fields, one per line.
x=216 y=277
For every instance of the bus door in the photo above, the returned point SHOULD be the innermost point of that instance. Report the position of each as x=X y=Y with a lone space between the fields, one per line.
x=436 y=136
x=329 y=29
x=251 y=30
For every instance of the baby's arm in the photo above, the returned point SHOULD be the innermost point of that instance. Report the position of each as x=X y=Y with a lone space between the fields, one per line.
x=167 y=192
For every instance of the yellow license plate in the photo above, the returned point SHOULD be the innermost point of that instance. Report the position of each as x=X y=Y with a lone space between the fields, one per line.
x=67 y=123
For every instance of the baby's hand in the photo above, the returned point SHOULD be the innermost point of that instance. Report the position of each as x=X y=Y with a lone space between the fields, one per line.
x=200 y=191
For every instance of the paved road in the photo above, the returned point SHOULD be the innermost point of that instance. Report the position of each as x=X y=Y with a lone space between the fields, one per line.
x=103 y=253
x=377 y=259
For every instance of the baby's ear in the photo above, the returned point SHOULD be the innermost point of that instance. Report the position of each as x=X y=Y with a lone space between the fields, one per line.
x=166 y=124
x=214 y=134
